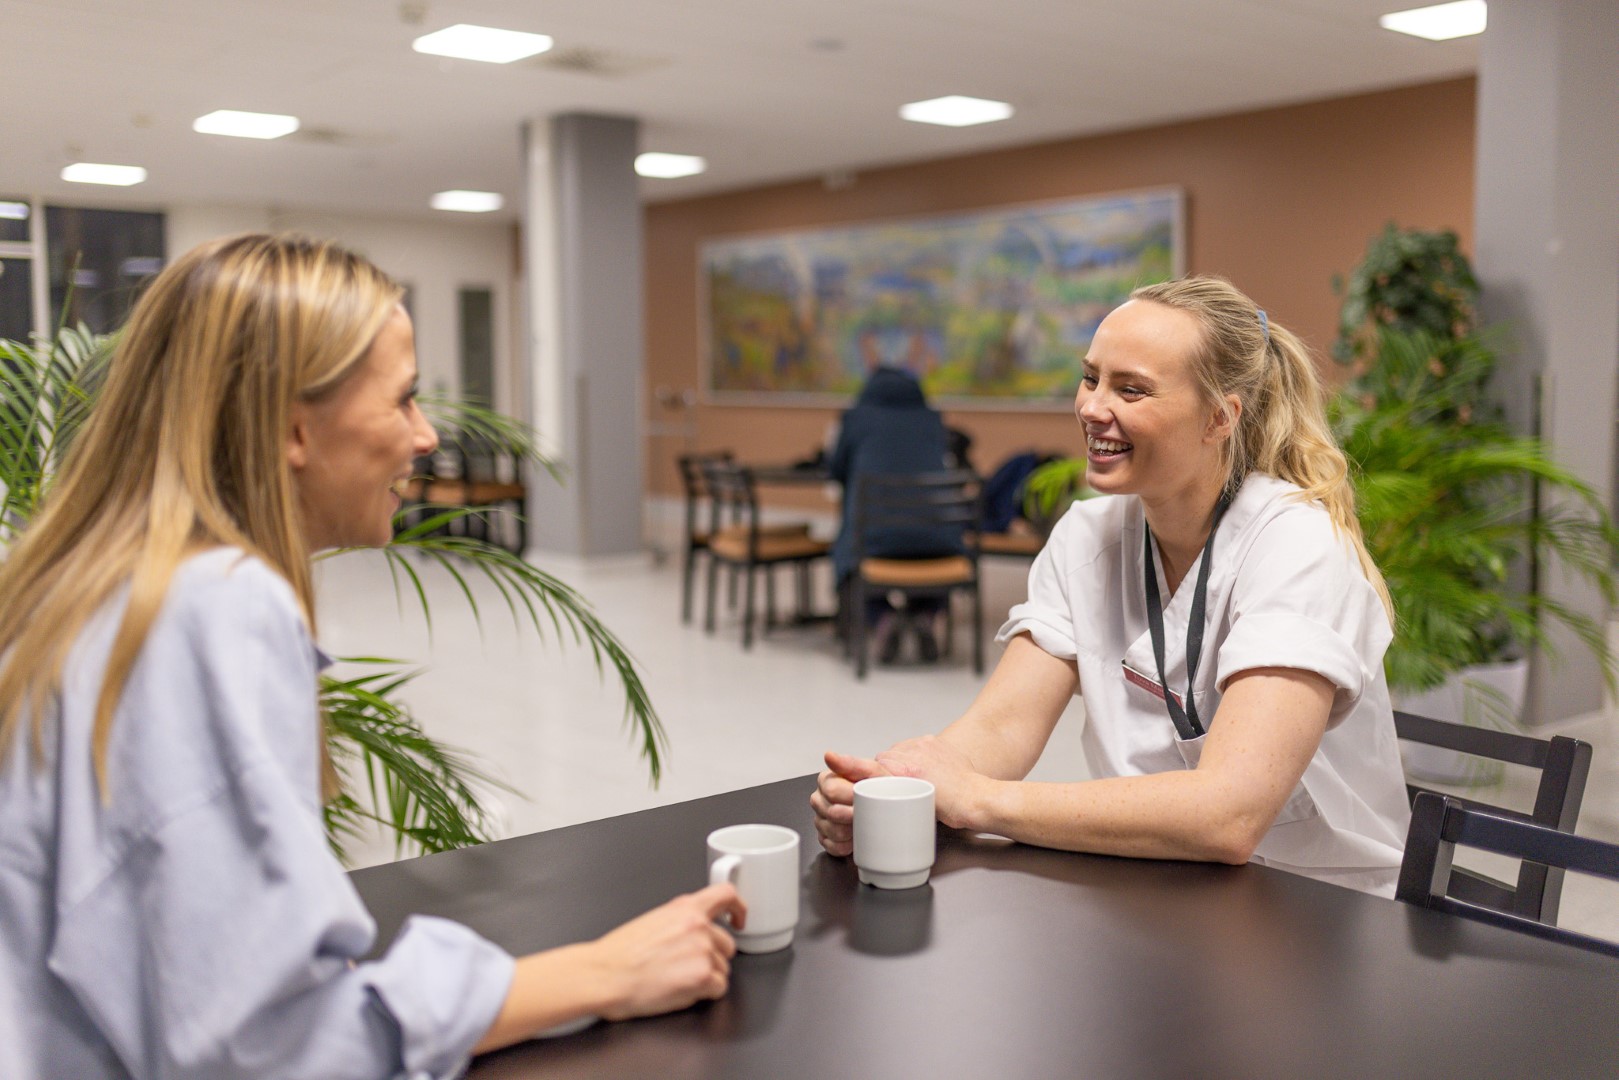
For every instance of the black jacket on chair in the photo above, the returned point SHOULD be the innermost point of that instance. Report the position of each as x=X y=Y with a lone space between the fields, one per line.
x=889 y=430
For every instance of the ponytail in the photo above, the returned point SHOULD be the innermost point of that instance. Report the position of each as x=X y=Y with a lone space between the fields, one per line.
x=1282 y=428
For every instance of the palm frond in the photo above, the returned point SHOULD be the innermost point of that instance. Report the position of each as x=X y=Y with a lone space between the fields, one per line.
x=549 y=605
x=426 y=794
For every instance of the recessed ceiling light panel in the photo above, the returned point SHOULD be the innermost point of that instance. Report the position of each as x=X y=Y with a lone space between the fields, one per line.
x=245 y=125
x=13 y=211
x=463 y=41
x=85 y=172
x=956 y=111
x=467 y=202
x=1441 y=22
x=669 y=166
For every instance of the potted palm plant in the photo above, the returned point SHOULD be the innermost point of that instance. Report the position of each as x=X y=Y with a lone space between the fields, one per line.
x=428 y=796
x=1461 y=513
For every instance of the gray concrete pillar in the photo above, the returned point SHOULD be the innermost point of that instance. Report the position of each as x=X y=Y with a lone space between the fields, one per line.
x=1546 y=232
x=582 y=284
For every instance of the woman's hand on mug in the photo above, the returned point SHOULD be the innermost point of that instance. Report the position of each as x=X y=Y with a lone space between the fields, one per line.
x=833 y=800
x=957 y=784
x=672 y=956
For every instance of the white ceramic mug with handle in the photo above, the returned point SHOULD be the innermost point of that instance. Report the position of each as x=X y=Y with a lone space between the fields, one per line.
x=762 y=862
x=893 y=831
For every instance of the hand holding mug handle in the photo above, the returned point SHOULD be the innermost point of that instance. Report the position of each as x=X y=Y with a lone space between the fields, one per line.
x=724 y=871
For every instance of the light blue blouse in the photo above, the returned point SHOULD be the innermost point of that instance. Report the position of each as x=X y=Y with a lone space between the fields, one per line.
x=196 y=925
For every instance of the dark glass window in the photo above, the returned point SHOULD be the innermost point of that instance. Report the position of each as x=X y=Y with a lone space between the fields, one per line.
x=477 y=346
x=15 y=218
x=16 y=300
x=99 y=261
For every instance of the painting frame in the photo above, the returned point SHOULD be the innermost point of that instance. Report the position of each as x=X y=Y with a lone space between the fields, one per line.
x=1033 y=259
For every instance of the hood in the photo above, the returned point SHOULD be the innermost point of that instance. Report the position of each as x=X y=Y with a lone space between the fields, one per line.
x=892 y=388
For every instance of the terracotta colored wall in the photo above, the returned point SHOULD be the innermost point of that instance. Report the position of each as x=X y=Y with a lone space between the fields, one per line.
x=1277 y=200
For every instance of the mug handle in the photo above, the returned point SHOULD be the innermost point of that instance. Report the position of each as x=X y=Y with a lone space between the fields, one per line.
x=724 y=869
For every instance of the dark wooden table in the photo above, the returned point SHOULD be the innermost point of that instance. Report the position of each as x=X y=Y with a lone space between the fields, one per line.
x=1020 y=962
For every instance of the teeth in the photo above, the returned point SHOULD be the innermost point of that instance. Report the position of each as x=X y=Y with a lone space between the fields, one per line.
x=1106 y=446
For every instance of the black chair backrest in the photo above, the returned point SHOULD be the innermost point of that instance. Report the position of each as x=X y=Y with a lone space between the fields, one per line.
x=1441 y=823
x=694 y=483
x=946 y=503
x=1564 y=764
x=731 y=494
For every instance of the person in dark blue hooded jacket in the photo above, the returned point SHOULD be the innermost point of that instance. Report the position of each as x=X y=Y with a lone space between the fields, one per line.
x=891 y=429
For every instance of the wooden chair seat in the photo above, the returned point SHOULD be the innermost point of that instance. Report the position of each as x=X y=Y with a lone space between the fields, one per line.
x=917 y=573
x=800 y=528
x=488 y=492
x=771 y=547
x=1015 y=545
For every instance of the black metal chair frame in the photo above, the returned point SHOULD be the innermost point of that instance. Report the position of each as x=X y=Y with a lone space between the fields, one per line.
x=464 y=472
x=732 y=493
x=695 y=541
x=927 y=500
x=1441 y=823
x=1564 y=765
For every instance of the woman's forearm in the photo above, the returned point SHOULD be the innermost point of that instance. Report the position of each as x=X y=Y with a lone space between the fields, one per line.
x=548 y=989
x=1179 y=815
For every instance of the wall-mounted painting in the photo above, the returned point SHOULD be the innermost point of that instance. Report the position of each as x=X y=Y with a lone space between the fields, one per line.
x=993 y=308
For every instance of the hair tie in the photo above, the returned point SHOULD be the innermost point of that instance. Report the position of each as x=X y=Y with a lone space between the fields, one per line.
x=1264 y=324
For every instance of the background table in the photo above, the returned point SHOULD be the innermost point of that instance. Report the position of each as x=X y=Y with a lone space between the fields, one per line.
x=1020 y=962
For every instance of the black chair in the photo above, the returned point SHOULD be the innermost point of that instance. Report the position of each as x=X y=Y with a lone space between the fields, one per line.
x=928 y=503
x=1564 y=764
x=749 y=546
x=1439 y=823
x=695 y=542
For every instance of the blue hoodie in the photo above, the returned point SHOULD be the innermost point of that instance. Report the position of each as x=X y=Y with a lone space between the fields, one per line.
x=889 y=430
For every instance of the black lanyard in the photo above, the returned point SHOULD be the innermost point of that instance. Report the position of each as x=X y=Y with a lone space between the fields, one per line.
x=1185 y=720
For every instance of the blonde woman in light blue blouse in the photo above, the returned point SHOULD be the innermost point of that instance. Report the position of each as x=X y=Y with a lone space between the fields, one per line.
x=168 y=904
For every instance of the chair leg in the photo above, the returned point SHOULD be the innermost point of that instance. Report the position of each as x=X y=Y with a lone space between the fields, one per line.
x=770 y=596
x=713 y=594
x=747 y=608
x=688 y=570
x=857 y=625
x=978 y=629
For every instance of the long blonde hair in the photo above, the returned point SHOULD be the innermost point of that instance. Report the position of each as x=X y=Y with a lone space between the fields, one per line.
x=1281 y=428
x=184 y=449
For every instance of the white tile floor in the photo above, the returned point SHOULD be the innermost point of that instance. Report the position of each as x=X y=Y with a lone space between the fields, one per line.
x=537 y=715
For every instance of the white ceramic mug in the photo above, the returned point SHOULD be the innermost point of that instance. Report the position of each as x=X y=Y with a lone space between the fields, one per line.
x=893 y=831
x=762 y=862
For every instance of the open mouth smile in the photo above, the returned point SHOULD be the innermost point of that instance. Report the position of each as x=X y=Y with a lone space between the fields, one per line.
x=1106 y=449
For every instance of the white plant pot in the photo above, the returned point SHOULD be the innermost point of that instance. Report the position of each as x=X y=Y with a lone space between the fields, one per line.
x=1485 y=695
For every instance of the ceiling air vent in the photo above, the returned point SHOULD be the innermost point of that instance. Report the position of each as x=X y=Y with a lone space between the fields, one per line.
x=584 y=60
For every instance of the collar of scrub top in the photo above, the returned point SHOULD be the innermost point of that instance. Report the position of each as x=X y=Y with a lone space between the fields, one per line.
x=1185 y=720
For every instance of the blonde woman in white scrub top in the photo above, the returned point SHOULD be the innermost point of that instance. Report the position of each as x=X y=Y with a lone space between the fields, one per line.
x=1232 y=526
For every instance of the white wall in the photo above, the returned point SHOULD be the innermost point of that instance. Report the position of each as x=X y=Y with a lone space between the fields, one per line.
x=435 y=258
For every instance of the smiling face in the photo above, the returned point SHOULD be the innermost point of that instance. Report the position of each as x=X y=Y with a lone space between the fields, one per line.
x=1148 y=429
x=351 y=449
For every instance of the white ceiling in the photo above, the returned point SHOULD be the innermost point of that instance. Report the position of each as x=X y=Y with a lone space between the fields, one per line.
x=766 y=90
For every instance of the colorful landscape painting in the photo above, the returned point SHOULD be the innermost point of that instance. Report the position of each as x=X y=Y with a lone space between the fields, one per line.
x=993 y=308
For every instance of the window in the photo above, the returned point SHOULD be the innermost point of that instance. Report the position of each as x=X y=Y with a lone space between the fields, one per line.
x=99 y=261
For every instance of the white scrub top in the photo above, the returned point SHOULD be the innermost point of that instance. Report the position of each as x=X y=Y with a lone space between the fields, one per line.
x=1284 y=590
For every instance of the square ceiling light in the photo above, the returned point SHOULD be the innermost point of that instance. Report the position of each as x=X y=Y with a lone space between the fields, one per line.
x=86 y=172
x=956 y=111
x=668 y=166
x=245 y=125
x=467 y=202
x=463 y=41
x=1441 y=22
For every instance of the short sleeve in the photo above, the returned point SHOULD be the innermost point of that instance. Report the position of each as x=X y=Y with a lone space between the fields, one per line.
x=223 y=939
x=1301 y=600
x=1047 y=615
